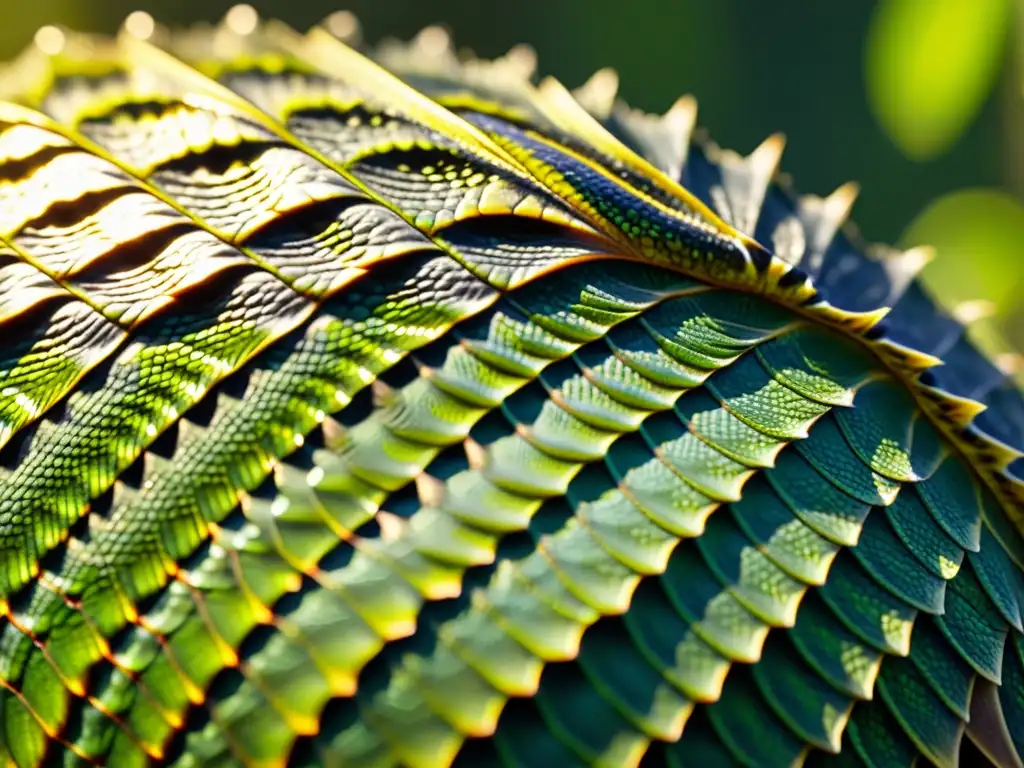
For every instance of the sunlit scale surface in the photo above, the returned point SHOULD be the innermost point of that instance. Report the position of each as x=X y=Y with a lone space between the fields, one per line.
x=380 y=408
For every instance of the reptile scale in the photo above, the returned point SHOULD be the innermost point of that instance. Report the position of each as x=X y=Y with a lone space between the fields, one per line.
x=374 y=406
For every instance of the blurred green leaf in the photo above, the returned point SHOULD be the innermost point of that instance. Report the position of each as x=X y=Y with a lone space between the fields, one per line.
x=977 y=234
x=930 y=64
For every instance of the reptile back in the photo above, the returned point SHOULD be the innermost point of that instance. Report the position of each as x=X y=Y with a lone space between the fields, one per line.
x=378 y=406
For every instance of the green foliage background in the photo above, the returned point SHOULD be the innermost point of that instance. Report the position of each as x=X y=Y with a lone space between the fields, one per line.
x=917 y=100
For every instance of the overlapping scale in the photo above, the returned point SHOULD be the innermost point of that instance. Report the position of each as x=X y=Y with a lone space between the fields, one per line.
x=440 y=418
x=174 y=356
x=59 y=338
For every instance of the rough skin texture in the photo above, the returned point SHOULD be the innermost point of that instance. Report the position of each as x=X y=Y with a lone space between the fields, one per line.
x=372 y=407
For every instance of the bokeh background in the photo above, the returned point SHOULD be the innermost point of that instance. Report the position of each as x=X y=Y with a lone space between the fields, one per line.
x=920 y=101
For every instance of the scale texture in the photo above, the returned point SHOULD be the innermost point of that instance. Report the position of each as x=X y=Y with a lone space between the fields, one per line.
x=377 y=407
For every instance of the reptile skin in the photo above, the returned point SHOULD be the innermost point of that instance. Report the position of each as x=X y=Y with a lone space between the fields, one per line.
x=372 y=406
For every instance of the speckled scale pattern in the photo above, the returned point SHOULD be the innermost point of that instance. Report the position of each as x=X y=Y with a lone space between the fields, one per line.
x=373 y=406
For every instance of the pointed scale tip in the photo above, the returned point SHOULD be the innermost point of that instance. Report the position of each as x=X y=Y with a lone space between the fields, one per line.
x=123 y=494
x=663 y=140
x=242 y=19
x=50 y=40
x=334 y=432
x=383 y=393
x=746 y=181
x=917 y=362
x=908 y=264
x=959 y=410
x=476 y=454
x=861 y=323
x=1010 y=363
x=344 y=25
x=841 y=201
x=433 y=41
x=925 y=253
x=522 y=59
x=684 y=106
x=597 y=95
x=429 y=490
x=680 y=120
x=153 y=464
x=681 y=117
x=968 y=312
x=391 y=525
x=902 y=268
x=188 y=431
x=768 y=154
x=140 y=25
